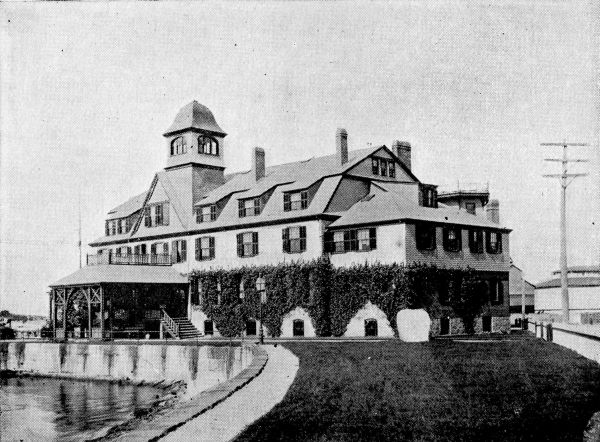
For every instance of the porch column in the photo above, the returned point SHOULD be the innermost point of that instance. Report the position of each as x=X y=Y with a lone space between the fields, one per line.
x=101 y=313
x=65 y=302
x=89 y=300
x=53 y=312
x=189 y=302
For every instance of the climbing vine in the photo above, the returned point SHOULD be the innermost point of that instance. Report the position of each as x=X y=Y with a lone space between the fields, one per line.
x=332 y=296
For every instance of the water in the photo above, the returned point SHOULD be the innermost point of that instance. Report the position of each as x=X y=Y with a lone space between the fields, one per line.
x=66 y=410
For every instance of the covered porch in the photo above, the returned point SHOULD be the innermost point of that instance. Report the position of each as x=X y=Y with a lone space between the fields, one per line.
x=117 y=302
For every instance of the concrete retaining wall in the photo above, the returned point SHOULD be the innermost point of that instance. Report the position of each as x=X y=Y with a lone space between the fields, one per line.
x=200 y=367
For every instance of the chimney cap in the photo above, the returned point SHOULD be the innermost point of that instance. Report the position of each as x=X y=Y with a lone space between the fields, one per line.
x=493 y=204
x=341 y=131
x=398 y=143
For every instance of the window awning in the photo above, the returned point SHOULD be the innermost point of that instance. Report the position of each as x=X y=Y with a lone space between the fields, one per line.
x=124 y=274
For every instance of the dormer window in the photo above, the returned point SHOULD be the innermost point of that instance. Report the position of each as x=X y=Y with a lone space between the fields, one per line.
x=428 y=196
x=383 y=167
x=206 y=214
x=295 y=201
x=208 y=145
x=250 y=207
x=156 y=215
x=178 y=146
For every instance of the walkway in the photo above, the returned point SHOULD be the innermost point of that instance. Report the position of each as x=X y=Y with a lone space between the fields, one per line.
x=229 y=418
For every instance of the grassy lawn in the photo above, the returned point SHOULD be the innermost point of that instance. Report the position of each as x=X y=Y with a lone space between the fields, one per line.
x=520 y=389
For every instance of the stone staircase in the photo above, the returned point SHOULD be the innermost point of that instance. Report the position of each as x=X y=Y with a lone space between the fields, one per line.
x=186 y=329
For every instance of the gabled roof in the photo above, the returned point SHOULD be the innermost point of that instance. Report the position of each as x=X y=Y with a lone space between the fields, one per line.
x=385 y=207
x=194 y=116
x=296 y=175
x=129 y=207
x=122 y=274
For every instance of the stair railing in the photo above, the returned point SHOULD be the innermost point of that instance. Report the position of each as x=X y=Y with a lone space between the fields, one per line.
x=169 y=324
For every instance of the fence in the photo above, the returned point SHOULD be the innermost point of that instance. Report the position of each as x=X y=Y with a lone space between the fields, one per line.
x=583 y=339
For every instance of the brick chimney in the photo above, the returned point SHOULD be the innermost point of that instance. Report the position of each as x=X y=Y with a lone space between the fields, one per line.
x=492 y=211
x=258 y=163
x=341 y=145
x=402 y=150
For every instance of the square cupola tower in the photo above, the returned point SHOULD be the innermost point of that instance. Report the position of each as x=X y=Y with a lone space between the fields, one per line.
x=195 y=138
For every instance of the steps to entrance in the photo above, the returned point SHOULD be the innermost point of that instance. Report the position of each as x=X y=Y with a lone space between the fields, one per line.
x=187 y=329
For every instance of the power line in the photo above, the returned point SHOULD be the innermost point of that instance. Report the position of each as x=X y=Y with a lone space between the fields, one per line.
x=566 y=179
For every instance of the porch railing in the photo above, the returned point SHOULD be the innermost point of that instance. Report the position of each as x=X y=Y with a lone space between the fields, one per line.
x=132 y=259
x=171 y=326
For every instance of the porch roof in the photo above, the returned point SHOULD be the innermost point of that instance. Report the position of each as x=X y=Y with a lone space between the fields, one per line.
x=131 y=274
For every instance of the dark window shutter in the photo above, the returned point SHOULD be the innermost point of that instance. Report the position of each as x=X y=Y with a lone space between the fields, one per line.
x=302 y=238
x=328 y=242
x=240 y=245
x=499 y=238
x=433 y=233
x=287 y=202
x=198 y=250
x=183 y=250
x=241 y=211
x=213 y=212
x=211 y=244
x=373 y=238
x=256 y=206
x=174 y=251
x=352 y=234
x=304 y=199
x=458 y=239
x=255 y=243
x=285 y=236
x=106 y=230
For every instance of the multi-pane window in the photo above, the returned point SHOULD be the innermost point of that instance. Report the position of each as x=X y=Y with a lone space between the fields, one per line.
x=178 y=146
x=156 y=215
x=208 y=145
x=123 y=251
x=206 y=214
x=179 y=250
x=354 y=240
x=159 y=248
x=476 y=241
x=429 y=197
x=140 y=249
x=470 y=208
x=452 y=239
x=249 y=207
x=494 y=242
x=425 y=236
x=247 y=244
x=383 y=167
x=496 y=291
x=122 y=226
x=205 y=248
x=295 y=201
x=294 y=239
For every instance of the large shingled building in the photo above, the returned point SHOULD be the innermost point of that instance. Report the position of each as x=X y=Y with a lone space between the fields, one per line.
x=356 y=206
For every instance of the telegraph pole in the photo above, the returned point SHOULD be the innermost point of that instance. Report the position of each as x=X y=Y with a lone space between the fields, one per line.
x=79 y=230
x=565 y=179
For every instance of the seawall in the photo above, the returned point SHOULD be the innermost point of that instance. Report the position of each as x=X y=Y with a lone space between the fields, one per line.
x=200 y=367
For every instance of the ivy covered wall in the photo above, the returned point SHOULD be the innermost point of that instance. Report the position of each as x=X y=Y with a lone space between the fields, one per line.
x=332 y=296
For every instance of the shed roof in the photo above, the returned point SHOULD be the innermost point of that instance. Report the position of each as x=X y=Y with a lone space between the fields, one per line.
x=140 y=274
x=130 y=206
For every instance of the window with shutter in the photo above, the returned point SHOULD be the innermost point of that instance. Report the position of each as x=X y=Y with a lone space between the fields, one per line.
x=205 y=248
x=452 y=239
x=476 y=241
x=240 y=244
x=106 y=229
x=425 y=236
x=375 y=166
x=255 y=243
x=494 y=242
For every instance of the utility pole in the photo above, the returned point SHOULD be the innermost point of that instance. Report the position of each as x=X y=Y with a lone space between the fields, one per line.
x=565 y=179
x=79 y=241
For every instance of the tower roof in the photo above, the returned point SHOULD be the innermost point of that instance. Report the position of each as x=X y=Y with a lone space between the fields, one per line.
x=194 y=116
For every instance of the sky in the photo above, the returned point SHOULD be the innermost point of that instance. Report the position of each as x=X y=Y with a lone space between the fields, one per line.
x=87 y=89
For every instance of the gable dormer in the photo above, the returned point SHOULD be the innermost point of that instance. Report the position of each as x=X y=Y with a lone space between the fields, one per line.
x=195 y=138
